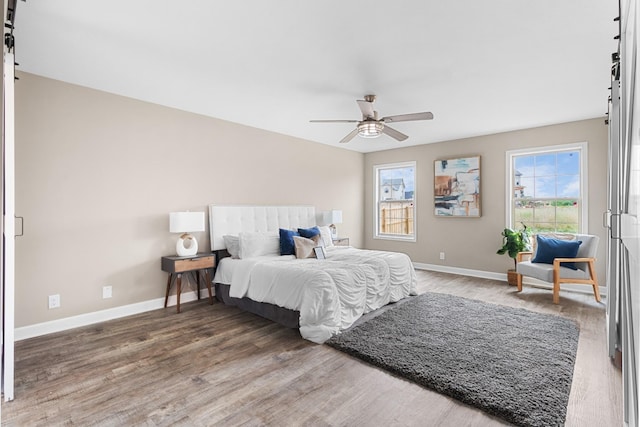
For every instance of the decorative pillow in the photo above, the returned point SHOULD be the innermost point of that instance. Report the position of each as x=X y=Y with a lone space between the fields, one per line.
x=325 y=232
x=259 y=244
x=233 y=245
x=557 y=236
x=304 y=247
x=309 y=232
x=287 y=246
x=548 y=249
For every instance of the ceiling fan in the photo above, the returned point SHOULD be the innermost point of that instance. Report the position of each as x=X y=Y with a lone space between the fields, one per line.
x=371 y=126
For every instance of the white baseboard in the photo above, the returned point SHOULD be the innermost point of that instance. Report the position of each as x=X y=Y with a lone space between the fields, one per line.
x=59 y=325
x=460 y=271
x=102 y=315
x=503 y=277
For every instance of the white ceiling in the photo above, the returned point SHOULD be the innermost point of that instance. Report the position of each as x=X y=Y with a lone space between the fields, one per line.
x=481 y=67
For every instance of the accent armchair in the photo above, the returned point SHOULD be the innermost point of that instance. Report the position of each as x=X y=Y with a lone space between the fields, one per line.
x=561 y=260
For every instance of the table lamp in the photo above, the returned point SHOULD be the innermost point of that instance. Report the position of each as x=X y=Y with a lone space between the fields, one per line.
x=185 y=223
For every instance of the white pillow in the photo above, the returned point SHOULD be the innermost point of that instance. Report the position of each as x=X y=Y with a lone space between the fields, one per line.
x=233 y=245
x=325 y=232
x=259 y=244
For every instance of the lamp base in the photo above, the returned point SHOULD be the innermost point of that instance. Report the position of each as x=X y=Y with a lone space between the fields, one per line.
x=187 y=245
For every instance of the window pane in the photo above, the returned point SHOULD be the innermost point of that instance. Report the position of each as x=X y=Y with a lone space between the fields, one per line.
x=568 y=186
x=545 y=187
x=568 y=213
x=544 y=212
x=524 y=165
x=396 y=218
x=523 y=214
x=527 y=187
x=396 y=184
x=569 y=163
x=545 y=165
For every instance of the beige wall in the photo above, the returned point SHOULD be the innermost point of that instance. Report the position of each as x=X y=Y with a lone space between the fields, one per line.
x=472 y=243
x=97 y=175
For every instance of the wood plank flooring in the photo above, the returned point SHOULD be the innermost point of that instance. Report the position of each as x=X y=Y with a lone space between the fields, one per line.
x=215 y=365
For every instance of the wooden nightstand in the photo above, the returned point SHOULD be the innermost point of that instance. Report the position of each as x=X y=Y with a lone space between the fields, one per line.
x=341 y=241
x=194 y=266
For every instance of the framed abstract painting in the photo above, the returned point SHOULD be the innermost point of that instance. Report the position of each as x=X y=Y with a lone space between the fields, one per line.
x=456 y=190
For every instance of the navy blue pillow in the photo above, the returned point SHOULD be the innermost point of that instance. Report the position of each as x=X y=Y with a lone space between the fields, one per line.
x=309 y=232
x=549 y=249
x=287 y=246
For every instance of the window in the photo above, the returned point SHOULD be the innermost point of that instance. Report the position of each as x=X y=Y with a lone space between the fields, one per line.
x=395 y=201
x=547 y=188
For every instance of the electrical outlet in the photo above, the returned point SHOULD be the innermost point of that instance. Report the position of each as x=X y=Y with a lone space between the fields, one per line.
x=54 y=301
x=442 y=255
x=106 y=292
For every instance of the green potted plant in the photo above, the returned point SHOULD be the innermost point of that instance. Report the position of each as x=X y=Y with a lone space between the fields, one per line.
x=513 y=242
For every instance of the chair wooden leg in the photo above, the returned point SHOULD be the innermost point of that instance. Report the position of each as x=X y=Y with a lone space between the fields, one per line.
x=594 y=277
x=556 y=287
x=519 y=282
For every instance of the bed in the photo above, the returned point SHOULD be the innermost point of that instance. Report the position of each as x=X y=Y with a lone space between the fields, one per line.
x=321 y=297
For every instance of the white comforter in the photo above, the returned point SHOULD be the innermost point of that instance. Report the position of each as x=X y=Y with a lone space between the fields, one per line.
x=330 y=294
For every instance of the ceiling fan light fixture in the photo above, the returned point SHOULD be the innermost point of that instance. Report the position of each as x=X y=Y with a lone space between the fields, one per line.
x=370 y=129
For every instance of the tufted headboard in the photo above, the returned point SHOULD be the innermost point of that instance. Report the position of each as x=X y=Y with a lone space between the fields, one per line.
x=232 y=220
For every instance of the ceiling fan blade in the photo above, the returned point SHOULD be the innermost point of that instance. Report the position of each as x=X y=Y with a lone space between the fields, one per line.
x=366 y=107
x=349 y=137
x=334 y=121
x=394 y=133
x=407 y=117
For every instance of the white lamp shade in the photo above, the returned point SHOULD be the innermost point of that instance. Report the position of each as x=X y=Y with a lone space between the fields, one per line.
x=185 y=222
x=335 y=216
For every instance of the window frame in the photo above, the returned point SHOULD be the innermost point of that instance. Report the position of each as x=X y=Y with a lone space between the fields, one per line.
x=376 y=202
x=584 y=190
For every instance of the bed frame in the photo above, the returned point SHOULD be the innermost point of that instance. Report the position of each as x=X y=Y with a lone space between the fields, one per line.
x=225 y=220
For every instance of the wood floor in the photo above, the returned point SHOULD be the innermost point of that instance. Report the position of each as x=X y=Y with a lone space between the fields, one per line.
x=214 y=365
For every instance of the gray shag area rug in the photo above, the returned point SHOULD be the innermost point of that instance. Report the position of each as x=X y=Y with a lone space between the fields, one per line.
x=511 y=363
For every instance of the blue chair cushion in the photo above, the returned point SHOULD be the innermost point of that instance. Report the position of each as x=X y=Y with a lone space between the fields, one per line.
x=549 y=248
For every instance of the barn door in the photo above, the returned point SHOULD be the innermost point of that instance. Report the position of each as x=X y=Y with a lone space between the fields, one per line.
x=8 y=227
x=629 y=273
